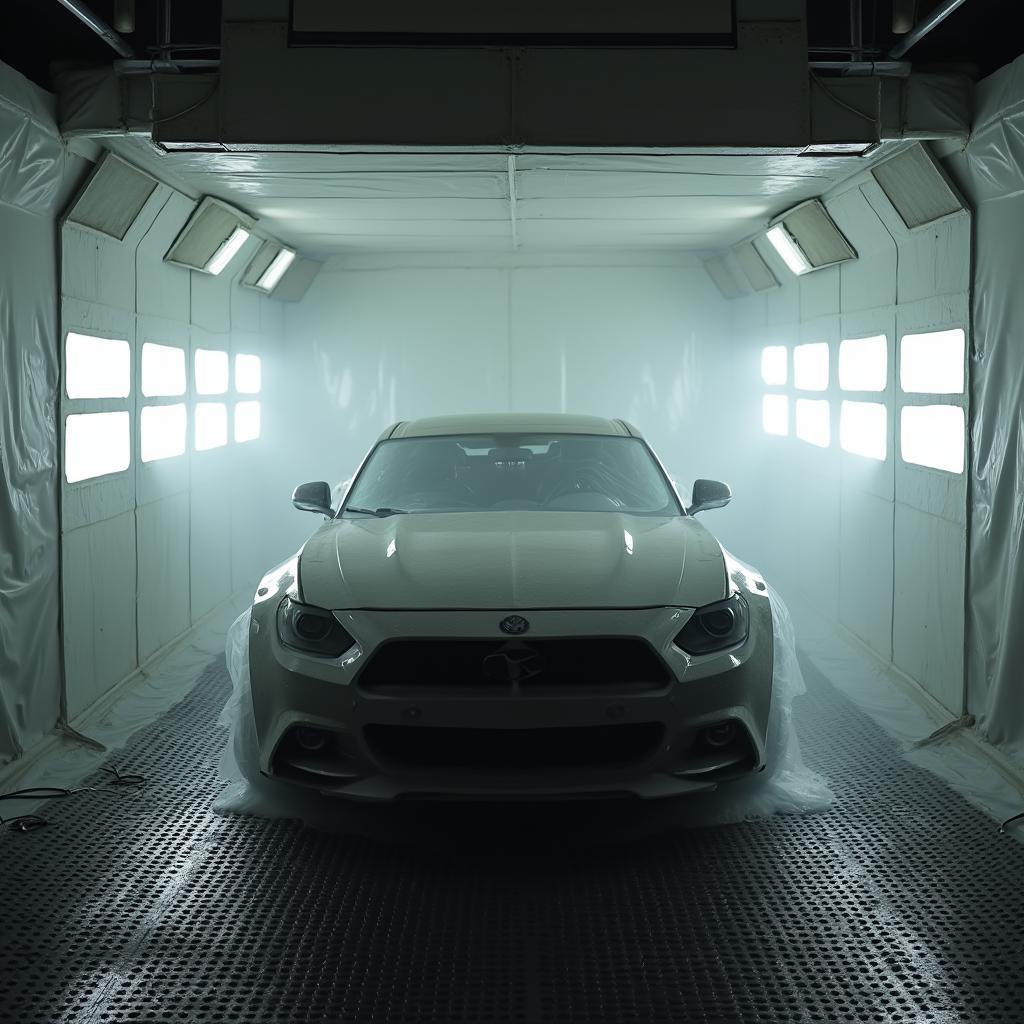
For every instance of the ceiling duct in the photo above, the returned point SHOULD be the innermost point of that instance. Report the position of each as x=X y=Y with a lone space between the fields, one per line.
x=755 y=270
x=725 y=280
x=211 y=238
x=917 y=187
x=297 y=279
x=112 y=198
x=268 y=266
x=807 y=238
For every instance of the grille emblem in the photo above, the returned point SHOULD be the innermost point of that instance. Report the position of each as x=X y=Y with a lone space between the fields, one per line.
x=514 y=624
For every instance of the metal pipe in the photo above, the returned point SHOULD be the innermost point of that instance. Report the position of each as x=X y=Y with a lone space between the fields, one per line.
x=856 y=30
x=862 y=67
x=99 y=26
x=145 y=67
x=923 y=27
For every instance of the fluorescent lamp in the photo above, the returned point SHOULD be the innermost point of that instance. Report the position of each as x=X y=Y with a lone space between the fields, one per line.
x=278 y=265
x=226 y=253
x=786 y=248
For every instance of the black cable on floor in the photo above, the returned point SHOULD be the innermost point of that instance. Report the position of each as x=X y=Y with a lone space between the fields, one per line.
x=32 y=822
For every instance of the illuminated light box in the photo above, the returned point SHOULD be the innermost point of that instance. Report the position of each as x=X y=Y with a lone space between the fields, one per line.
x=810 y=366
x=213 y=236
x=813 y=422
x=96 y=444
x=933 y=362
x=863 y=364
x=97 y=367
x=933 y=436
x=775 y=414
x=863 y=429
x=162 y=430
x=774 y=365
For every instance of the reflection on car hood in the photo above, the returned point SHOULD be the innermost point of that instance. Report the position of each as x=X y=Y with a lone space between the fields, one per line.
x=512 y=560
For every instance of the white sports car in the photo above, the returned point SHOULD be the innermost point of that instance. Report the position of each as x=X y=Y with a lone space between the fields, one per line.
x=512 y=606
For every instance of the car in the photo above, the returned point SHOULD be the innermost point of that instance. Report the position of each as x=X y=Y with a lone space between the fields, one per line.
x=511 y=607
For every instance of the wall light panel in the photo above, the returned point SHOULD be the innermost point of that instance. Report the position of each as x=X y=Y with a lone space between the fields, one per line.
x=112 y=198
x=212 y=237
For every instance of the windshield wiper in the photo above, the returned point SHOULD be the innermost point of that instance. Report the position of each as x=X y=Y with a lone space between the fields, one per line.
x=380 y=513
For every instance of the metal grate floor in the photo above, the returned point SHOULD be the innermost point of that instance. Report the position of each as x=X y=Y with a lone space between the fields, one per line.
x=902 y=905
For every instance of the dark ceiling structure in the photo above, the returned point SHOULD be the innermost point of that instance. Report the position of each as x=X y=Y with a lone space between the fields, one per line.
x=36 y=35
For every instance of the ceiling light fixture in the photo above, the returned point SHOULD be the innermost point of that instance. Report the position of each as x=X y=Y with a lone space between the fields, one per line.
x=223 y=256
x=787 y=249
x=278 y=265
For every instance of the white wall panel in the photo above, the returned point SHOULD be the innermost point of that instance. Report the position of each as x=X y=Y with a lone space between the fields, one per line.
x=928 y=603
x=819 y=293
x=163 y=289
x=866 y=569
x=841 y=533
x=163 y=590
x=99 y=608
x=210 y=550
x=870 y=280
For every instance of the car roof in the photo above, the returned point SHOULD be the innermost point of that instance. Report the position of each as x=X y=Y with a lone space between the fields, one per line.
x=510 y=423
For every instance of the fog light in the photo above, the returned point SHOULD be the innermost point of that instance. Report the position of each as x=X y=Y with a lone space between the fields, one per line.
x=720 y=735
x=310 y=739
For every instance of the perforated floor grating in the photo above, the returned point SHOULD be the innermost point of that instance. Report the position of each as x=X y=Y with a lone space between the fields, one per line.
x=902 y=905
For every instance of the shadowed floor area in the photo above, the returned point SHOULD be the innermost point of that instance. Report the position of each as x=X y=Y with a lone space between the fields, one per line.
x=901 y=905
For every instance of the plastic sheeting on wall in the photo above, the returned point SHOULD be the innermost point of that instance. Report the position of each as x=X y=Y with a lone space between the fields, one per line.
x=35 y=174
x=991 y=173
x=785 y=786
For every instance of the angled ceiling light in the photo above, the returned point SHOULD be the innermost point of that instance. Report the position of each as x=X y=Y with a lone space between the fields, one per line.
x=296 y=279
x=916 y=187
x=211 y=239
x=267 y=267
x=725 y=280
x=807 y=238
x=754 y=268
x=787 y=249
x=112 y=198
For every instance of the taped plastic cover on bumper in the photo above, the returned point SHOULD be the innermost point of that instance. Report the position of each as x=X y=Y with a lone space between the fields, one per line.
x=786 y=786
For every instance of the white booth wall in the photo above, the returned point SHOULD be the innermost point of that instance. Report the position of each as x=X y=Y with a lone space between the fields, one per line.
x=387 y=338
x=148 y=551
x=877 y=545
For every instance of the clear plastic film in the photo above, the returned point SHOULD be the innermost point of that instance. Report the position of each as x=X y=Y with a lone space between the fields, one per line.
x=990 y=171
x=786 y=785
x=34 y=175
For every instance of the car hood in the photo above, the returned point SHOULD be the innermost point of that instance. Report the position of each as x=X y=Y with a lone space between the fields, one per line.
x=512 y=560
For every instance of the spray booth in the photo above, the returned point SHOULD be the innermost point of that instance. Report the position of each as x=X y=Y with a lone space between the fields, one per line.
x=244 y=246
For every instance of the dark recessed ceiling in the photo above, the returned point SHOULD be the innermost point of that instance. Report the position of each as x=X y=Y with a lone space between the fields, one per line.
x=978 y=36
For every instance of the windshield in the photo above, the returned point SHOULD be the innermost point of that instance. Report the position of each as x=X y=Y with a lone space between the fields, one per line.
x=497 y=472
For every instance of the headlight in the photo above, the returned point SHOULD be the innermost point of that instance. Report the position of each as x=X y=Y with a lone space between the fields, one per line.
x=310 y=629
x=715 y=626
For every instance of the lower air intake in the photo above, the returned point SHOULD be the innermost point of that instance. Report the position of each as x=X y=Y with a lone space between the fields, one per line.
x=600 y=746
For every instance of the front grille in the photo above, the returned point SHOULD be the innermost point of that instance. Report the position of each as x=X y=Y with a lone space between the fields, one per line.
x=598 y=664
x=517 y=750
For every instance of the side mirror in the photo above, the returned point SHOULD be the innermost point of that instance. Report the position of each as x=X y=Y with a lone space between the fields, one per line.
x=709 y=494
x=314 y=497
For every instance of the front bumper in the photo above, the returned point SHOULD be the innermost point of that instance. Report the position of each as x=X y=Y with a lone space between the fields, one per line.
x=291 y=690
